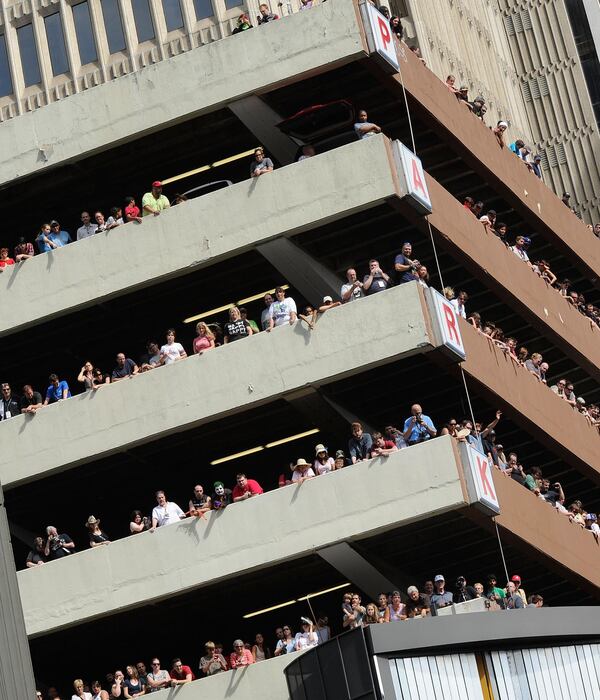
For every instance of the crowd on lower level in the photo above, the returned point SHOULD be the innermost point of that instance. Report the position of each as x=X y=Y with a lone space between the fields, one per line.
x=390 y=607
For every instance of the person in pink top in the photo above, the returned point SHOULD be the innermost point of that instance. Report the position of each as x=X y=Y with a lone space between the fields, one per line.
x=240 y=656
x=246 y=488
x=205 y=340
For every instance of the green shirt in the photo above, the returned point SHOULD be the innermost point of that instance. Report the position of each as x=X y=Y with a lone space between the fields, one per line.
x=497 y=591
x=157 y=204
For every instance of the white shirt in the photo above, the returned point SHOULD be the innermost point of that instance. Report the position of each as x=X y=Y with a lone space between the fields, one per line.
x=306 y=639
x=86 y=231
x=264 y=318
x=171 y=352
x=356 y=294
x=324 y=468
x=281 y=311
x=87 y=696
x=521 y=253
x=167 y=514
x=459 y=308
x=297 y=474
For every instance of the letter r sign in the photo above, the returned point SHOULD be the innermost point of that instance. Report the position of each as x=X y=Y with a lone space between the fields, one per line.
x=445 y=320
x=380 y=40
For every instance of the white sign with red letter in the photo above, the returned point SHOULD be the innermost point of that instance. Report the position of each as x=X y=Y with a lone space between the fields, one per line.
x=415 y=184
x=380 y=40
x=445 y=319
x=480 y=479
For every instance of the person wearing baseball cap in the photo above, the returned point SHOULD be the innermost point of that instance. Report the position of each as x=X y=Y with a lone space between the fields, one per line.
x=328 y=303
x=441 y=597
x=340 y=459
x=155 y=201
x=516 y=579
x=301 y=471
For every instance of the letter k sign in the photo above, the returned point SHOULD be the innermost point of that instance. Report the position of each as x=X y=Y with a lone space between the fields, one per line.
x=486 y=478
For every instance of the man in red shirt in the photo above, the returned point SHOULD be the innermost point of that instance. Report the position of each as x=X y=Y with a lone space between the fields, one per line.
x=381 y=446
x=181 y=674
x=246 y=488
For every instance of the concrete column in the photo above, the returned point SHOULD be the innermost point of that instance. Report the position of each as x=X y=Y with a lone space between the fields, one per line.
x=16 y=671
x=324 y=411
x=41 y=46
x=100 y=38
x=70 y=43
x=357 y=569
x=312 y=279
x=12 y=50
x=128 y=30
x=254 y=113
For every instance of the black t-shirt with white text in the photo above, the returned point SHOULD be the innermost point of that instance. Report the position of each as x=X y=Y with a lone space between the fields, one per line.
x=234 y=330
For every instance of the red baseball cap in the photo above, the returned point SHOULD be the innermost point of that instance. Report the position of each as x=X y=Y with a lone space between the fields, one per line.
x=516 y=577
x=157 y=183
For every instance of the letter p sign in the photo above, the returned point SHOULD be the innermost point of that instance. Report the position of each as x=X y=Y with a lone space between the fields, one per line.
x=383 y=27
x=380 y=40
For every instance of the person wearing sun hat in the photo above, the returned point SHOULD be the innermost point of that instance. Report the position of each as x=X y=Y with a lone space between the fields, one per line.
x=155 y=201
x=301 y=471
x=97 y=536
x=323 y=462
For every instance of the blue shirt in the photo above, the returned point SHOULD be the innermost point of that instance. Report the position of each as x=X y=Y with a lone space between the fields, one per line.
x=359 y=448
x=419 y=433
x=61 y=238
x=43 y=247
x=56 y=393
x=407 y=275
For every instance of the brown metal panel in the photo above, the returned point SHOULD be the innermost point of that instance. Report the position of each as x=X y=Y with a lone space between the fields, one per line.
x=488 y=259
x=548 y=418
x=530 y=523
x=432 y=102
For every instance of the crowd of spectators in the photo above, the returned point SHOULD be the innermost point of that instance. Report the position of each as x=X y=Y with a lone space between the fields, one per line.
x=415 y=429
x=390 y=607
x=520 y=354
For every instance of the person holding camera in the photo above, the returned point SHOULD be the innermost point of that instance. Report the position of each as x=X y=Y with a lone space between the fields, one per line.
x=463 y=592
x=213 y=662
x=419 y=427
x=58 y=546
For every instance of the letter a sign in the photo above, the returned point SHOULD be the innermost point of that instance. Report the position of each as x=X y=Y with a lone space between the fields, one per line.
x=380 y=40
x=411 y=173
x=480 y=479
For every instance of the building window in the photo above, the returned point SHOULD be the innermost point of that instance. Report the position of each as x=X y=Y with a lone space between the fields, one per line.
x=230 y=4
x=84 y=33
x=143 y=20
x=203 y=9
x=6 y=87
x=173 y=16
x=29 y=56
x=113 y=25
x=56 y=44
